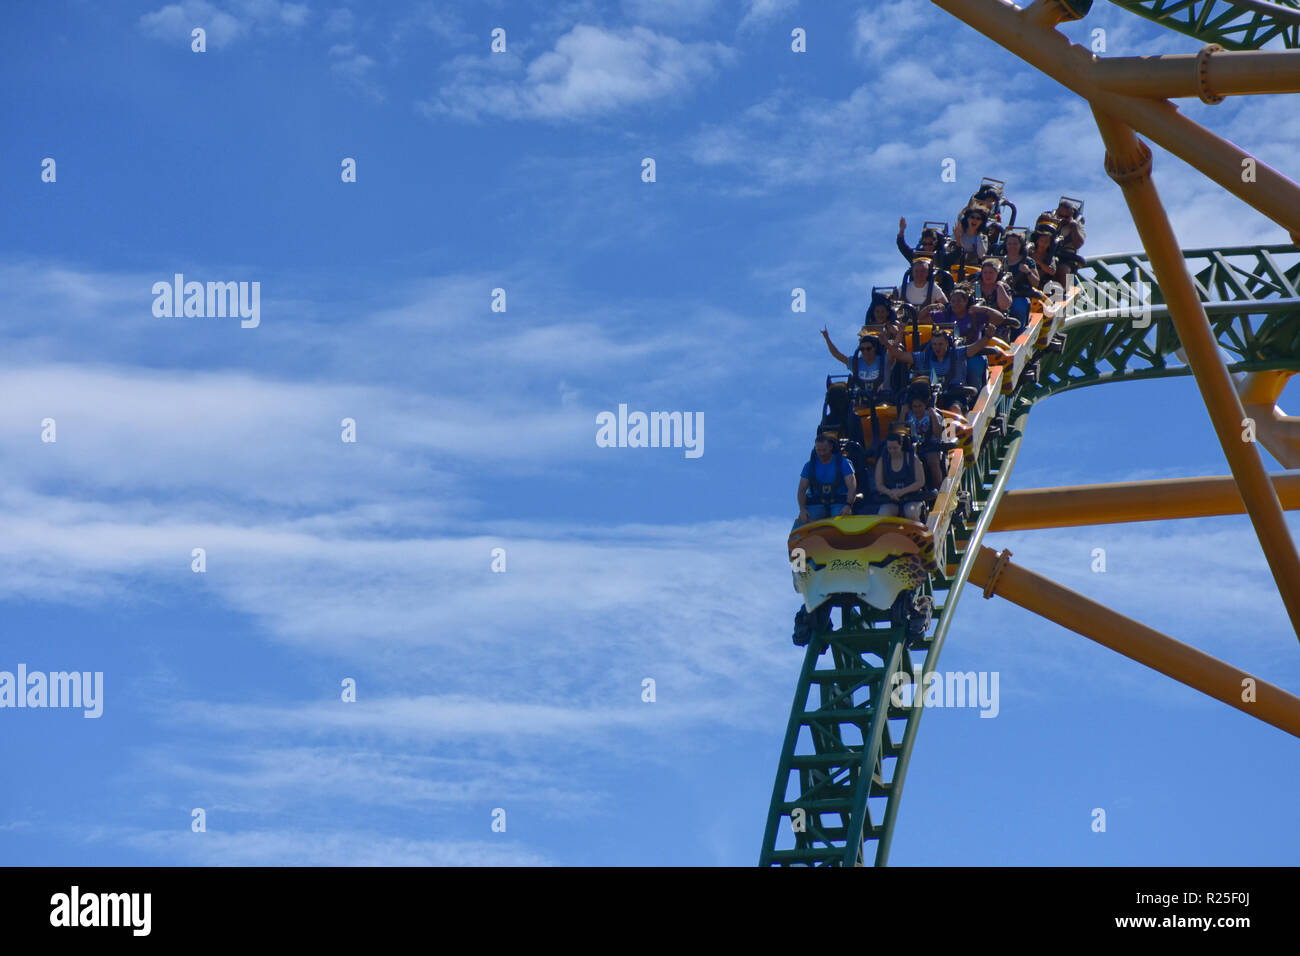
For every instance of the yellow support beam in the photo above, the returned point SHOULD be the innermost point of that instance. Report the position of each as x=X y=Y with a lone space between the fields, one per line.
x=1078 y=505
x=1276 y=430
x=1031 y=35
x=1211 y=74
x=1128 y=161
x=1184 y=663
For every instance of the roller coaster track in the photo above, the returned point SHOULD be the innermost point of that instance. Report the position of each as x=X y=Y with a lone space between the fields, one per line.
x=847 y=746
x=1251 y=295
x=1233 y=24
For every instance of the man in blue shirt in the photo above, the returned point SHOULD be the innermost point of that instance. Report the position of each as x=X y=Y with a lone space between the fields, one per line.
x=827 y=484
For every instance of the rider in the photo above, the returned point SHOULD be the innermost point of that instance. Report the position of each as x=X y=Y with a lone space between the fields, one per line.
x=870 y=368
x=970 y=234
x=926 y=428
x=945 y=365
x=989 y=289
x=972 y=322
x=934 y=246
x=1070 y=236
x=965 y=314
x=899 y=478
x=1041 y=253
x=827 y=483
x=988 y=198
x=919 y=287
x=1021 y=274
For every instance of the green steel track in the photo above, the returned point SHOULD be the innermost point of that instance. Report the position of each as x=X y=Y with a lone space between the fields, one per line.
x=846 y=749
x=1233 y=24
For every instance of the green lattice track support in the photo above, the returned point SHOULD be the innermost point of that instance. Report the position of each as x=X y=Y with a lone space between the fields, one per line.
x=1233 y=24
x=846 y=749
x=1251 y=295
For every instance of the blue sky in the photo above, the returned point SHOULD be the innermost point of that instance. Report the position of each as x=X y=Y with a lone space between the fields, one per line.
x=372 y=560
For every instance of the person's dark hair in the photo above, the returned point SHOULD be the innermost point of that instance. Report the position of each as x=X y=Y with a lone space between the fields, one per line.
x=901 y=435
x=965 y=288
x=879 y=299
x=930 y=233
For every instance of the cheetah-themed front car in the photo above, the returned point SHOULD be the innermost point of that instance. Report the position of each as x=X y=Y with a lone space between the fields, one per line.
x=872 y=556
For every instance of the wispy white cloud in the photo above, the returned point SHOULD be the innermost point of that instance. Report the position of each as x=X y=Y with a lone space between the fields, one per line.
x=760 y=11
x=440 y=19
x=590 y=72
x=302 y=847
x=132 y=430
x=272 y=11
x=340 y=20
x=355 y=69
x=222 y=23
x=456 y=718
x=882 y=29
x=174 y=23
x=340 y=591
x=438 y=333
x=668 y=12
x=255 y=781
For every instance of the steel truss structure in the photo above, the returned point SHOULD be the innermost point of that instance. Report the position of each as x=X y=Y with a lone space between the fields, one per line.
x=1229 y=317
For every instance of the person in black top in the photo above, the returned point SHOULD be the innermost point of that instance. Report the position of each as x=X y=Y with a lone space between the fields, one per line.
x=1020 y=273
x=899 y=478
x=1041 y=253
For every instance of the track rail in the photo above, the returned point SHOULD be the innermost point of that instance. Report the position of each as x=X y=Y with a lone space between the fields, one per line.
x=1233 y=24
x=1251 y=296
x=847 y=748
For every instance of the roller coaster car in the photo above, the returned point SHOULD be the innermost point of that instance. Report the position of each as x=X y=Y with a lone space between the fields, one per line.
x=963 y=273
x=885 y=292
x=946 y=241
x=873 y=557
x=957 y=431
x=991 y=197
x=876 y=421
x=940 y=227
x=1048 y=222
x=913 y=611
x=998 y=350
x=987 y=197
